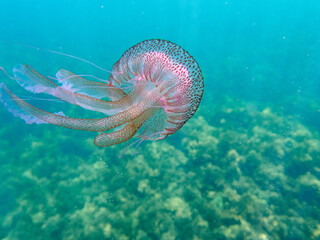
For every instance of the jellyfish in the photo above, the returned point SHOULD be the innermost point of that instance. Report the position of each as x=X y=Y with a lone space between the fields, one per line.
x=153 y=90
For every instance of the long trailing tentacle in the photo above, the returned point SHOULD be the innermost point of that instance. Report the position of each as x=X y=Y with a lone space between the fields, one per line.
x=24 y=110
x=36 y=83
x=104 y=140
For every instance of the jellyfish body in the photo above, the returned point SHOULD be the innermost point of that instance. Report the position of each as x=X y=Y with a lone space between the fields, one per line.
x=156 y=86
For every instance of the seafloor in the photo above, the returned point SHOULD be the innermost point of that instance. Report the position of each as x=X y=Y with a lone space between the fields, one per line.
x=239 y=171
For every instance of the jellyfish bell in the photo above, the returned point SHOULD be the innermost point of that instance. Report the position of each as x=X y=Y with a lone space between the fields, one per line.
x=153 y=90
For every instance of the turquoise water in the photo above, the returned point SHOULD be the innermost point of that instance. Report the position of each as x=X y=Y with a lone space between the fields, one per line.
x=245 y=166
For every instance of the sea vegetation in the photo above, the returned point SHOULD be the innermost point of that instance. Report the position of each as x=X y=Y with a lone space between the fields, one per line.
x=239 y=171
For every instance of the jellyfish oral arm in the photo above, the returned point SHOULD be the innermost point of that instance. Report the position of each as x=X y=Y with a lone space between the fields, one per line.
x=32 y=81
x=104 y=140
x=89 y=88
x=96 y=125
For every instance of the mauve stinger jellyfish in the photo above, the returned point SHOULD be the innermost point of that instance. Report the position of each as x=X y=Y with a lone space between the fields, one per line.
x=153 y=89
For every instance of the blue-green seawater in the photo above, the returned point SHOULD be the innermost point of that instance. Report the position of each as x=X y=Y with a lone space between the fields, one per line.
x=245 y=166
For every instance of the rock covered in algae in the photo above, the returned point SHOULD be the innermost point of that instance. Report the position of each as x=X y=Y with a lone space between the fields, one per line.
x=233 y=173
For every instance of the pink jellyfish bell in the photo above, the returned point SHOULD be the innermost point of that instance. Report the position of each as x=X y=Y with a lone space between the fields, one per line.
x=154 y=88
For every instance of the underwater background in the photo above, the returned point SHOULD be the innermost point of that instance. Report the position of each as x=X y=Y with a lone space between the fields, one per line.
x=245 y=166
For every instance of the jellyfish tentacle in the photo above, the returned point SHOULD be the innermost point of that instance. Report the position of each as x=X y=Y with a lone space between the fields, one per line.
x=104 y=140
x=87 y=87
x=96 y=125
